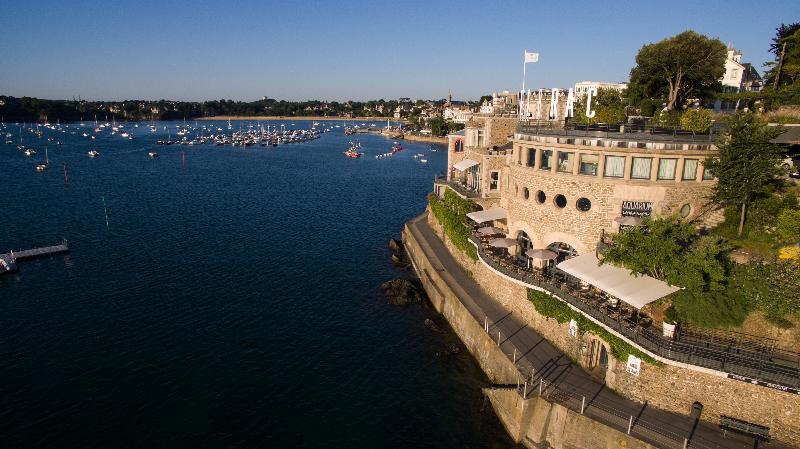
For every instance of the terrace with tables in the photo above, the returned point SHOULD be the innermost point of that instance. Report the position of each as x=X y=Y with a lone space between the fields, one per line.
x=613 y=298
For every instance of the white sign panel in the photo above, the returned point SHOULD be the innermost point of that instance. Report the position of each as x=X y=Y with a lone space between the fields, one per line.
x=634 y=365
x=573 y=328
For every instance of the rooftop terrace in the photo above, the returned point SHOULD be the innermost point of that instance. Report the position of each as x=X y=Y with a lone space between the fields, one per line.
x=617 y=132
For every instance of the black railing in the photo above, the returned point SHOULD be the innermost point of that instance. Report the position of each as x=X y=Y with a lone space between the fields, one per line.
x=460 y=188
x=760 y=363
x=619 y=131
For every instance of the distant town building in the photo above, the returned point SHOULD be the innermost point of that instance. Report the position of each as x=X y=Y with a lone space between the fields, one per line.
x=739 y=76
x=504 y=102
x=583 y=87
x=734 y=71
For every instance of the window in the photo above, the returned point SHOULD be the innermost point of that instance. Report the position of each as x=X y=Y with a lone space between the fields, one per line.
x=565 y=160
x=583 y=204
x=546 y=160
x=494 y=180
x=480 y=139
x=707 y=174
x=526 y=193
x=541 y=197
x=640 y=168
x=615 y=166
x=686 y=210
x=531 y=157
x=734 y=74
x=589 y=163
x=459 y=146
x=560 y=201
x=666 y=168
x=689 y=169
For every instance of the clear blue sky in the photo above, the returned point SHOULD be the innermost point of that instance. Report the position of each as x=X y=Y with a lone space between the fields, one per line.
x=339 y=50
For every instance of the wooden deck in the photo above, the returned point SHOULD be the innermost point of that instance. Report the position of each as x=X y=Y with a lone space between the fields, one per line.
x=8 y=261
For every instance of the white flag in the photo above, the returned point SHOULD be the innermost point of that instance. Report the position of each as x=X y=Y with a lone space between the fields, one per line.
x=531 y=57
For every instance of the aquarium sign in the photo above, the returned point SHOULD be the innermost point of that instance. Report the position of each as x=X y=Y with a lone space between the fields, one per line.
x=637 y=208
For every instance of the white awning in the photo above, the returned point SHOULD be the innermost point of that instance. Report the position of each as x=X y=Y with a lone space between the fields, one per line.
x=465 y=164
x=621 y=283
x=495 y=213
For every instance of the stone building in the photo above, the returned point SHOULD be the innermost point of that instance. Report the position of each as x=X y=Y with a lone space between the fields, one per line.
x=570 y=187
x=562 y=190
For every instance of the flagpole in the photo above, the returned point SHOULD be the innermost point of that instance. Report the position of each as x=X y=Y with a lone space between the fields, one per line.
x=524 y=66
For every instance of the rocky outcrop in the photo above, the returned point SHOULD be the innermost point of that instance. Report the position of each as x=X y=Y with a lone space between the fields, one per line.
x=403 y=291
x=399 y=256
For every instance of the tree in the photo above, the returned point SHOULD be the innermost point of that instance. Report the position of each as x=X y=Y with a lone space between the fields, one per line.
x=669 y=250
x=608 y=107
x=787 y=43
x=747 y=163
x=688 y=65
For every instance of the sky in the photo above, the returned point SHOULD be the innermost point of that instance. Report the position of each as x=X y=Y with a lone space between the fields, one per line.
x=341 y=50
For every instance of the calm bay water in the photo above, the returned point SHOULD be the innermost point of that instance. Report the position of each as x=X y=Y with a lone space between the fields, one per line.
x=230 y=302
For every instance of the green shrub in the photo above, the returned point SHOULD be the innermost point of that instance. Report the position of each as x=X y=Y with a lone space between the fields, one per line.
x=720 y=309
x=788 y=225
x=553 y=307
x=772 y=288
x=697 y=120
x=452 y=215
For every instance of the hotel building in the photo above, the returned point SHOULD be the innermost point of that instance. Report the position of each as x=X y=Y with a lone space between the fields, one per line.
x=567 y=188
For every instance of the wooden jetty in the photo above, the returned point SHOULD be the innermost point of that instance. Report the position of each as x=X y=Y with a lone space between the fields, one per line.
x=8 y=261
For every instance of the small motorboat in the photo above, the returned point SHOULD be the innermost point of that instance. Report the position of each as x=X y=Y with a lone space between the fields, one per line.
x=152 y=154
x=41 y=167
x=353 y=152
x=29 y=152
x=396 y=148
x=93 y=153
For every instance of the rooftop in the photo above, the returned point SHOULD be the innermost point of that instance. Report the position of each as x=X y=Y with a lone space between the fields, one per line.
x=620 y=131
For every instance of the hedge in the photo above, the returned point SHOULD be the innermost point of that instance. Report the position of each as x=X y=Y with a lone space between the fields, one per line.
x=553 y=307
x=452 y=214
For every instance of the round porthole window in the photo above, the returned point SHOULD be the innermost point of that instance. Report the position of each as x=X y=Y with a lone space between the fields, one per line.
x=583 y=204
x=560 y=201
x=541 y=197
x=526 y=193
x=686 y=210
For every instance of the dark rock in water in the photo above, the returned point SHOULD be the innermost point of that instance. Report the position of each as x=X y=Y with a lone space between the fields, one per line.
x=432 y=326
x=451 y=350
x=402 y=292
x=395 y=245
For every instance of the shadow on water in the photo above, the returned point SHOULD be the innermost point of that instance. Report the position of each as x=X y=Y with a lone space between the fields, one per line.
x=447 y=350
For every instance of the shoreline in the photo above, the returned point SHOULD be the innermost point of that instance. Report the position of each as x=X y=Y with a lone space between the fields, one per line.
x=304 y=117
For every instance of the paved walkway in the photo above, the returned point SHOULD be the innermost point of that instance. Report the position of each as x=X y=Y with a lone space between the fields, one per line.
x=554 y=368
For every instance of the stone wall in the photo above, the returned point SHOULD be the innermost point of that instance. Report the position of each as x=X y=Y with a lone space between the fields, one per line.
x=528 y=421
x=666 y=387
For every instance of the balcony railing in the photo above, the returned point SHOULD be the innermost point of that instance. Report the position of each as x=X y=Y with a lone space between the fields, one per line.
x=459 y=187
x=619 y=131
x=743 y=357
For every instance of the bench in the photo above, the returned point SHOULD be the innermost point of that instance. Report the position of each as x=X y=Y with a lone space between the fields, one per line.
x=743 y=427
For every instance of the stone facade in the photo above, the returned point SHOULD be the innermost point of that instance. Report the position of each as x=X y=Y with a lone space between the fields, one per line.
x=666 y=387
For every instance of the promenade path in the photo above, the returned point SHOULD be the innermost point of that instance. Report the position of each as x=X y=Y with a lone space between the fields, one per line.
x=536 y=356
